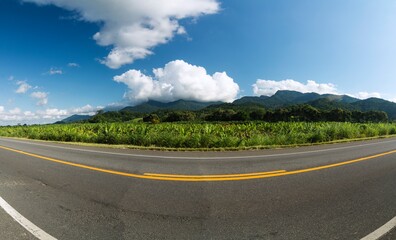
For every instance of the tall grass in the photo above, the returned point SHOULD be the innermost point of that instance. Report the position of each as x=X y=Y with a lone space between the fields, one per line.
x=202 y=135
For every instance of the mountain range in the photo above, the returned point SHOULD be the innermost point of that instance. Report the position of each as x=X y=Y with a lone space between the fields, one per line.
x=75 y=118
x=283 y=98
x=322 y=101
x=280 y=99
x=152 y=106
x=286 y=98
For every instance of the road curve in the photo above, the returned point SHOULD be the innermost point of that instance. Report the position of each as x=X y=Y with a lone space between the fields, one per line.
x=338 y=191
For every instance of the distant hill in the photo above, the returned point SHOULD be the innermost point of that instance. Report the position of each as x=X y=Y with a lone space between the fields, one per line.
x=74 y=118
x=152 y=106
x=281 y=99
x=328 y=104
x=248 y=106
x=340 y=98
x=286 y=98
x=377 y=104
x=249 y=99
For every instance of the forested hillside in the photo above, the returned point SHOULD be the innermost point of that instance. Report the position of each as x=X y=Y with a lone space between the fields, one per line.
x=282 y=106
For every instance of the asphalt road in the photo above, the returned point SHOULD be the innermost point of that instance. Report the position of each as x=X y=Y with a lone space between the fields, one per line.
x=390 y=236
x=302 y=193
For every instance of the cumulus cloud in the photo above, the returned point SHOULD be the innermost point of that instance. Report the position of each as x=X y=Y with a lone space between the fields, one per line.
x=270 y=87
x=16 y=116
x=50 y=115
x=23 y=87
x=55 y=113
x=178 y=80
x=15 y=111
x=41 y=97
x=134 y=27
x=365 y=95
x=85 y=110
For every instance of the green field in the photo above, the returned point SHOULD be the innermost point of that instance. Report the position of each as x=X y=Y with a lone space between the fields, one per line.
x=202 y=135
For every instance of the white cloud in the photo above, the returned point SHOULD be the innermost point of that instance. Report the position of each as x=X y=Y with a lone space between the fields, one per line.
x=10 y=117
x=134 y=27
x=23 y=87
x=365 y=95
x=270 y=87
x=50 y=115
x=73 y=65
x=15 y=111
x=55 y=71
x=41 y=97
x=178 y=80
x=85 y=110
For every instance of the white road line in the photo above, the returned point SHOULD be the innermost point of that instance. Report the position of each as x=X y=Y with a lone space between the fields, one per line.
x=29 y=226
x=198 y=158
x=382 y=231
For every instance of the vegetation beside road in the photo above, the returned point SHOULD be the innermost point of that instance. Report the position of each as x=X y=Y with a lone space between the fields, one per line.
x=202 y=135
x=286 y=118
x=245 y=112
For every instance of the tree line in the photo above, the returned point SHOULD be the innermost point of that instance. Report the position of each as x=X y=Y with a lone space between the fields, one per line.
x=298 y=113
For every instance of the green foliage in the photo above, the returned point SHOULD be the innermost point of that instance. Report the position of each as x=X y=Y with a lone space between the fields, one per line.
x=201 y=134
x=288 y=106
x=114 y=116
x=179 y=116
x=376 y=104
x=325 y=102
x=151 y=118
x=296 y=113
x=153 y=106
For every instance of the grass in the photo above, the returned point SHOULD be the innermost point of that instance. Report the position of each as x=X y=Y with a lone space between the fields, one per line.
x=238 y=135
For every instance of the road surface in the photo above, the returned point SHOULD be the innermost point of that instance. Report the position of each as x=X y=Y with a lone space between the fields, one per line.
x=338 y=191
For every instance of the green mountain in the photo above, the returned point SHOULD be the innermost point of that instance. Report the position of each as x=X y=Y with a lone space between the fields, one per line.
x=74 y=118
x=282 y=99
x=376 y=104
x=152 y=106
x=249 y=99
x=328 y=104
x=248 y=106
x=340 y=98
x=286 y=98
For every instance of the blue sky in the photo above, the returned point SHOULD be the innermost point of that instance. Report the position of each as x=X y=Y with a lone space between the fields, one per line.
x=54 y=64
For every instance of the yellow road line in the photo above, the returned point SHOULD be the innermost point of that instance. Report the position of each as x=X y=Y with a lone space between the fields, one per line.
x=213 y=176
x=201 y=178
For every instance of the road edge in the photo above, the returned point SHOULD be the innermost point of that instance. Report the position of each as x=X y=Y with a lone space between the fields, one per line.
x=382 y=231
x=24 y=222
